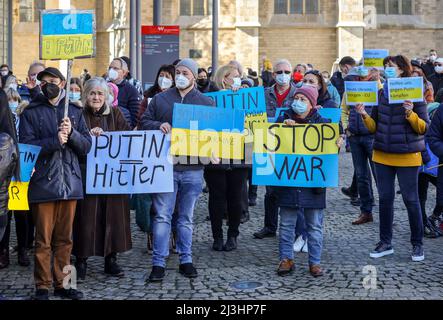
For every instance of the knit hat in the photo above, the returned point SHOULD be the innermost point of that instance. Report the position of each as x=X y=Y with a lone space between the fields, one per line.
x=309 y=92
x=190 y=64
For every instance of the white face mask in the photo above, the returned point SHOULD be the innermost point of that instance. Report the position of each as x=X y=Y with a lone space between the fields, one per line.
x=439 y=69
x=237 y=82
x=182 y=82
x=112 y=74
x=4 y=73
x=283 y=79
x=432 y=58
x=164 y=83
x=110 y=100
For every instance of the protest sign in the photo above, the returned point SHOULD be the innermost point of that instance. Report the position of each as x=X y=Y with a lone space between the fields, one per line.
x=365 y=92
x=203 y=131
x=304 y=155
x=67 y=34
x=329 y=113
x=402 y=89
x=18 y=190
x=251 y=100
x=129 y=162
x=373 y=58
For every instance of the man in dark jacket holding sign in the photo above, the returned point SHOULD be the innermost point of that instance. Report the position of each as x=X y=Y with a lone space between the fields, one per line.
x=56 y=184
x=188 y=178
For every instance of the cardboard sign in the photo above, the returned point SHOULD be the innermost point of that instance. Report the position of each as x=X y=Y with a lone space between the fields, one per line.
x=373 y=58
x=365 y=92
x=402 y=89
x=67 y=34
x=18 y=191
x=251 y=100
x=203 y=131
x=304 y=155
x=129 y=162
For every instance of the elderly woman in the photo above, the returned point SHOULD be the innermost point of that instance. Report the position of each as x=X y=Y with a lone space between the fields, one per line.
x=102 y=222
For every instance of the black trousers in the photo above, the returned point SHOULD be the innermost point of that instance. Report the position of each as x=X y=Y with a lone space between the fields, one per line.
x=227 y=192
x=252 y=189
x=24 y=226
x=423 y=185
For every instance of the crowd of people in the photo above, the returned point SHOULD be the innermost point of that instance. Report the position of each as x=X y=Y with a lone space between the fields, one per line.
x=385 y=140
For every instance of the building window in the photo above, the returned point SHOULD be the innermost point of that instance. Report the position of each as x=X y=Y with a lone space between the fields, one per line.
x=296 y=7
x=29 y=10
x=195 y=7
x=403 y=7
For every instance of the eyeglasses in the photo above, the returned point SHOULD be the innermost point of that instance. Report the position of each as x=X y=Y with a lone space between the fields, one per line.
x=281 y=72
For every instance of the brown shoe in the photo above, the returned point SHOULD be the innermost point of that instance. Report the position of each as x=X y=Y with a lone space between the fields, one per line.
x=285 y=267
x=315 y=270
x=363 y=218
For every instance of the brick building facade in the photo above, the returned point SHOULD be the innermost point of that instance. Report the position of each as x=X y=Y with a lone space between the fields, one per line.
x=315 y=31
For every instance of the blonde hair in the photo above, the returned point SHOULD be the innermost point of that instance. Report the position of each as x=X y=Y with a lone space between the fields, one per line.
x=221 y=74
x=12 y=94
x=92 y=83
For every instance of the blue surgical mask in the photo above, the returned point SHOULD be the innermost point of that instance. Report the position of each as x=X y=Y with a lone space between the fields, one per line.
x=283 y=79
x=74 y=96
x=299 y=107
x=390 y=72
x=363 y=71
x=13 y=105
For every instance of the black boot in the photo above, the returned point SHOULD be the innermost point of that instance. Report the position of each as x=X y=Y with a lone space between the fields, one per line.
x=81 y=266
x=4 y=258
x=22 y=257
x=231 y=244
x=111 y=266
x=244 y=217
x=218 y=244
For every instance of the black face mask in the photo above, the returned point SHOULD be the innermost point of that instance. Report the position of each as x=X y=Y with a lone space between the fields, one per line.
x=202 y=82
x=51 y=91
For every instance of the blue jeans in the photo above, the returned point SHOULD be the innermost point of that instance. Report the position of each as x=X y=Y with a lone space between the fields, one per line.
x=361 y=149
x=187 y=188
x=314 y=228
x=300 y=227
x=408 y=181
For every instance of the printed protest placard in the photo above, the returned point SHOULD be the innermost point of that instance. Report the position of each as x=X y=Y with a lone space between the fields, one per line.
x=304 y=155
x=373 y=58
x=402 y=89
x=251 y=100
x=129 y=162
x=18 y=190
x=365 y=92
x=67 y=34
x=203 y=131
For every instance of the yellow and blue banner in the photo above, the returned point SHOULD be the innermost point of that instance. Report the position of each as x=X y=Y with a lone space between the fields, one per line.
x=373 y=58
x=365 y=92
x=304 y=155
x=18 y=190
x=202 y=131
x=251 y=100
x=67 y=34
x=402 y=89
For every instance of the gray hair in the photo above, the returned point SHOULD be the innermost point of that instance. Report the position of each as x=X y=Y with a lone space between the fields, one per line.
x=282 y=61
x=93 y=83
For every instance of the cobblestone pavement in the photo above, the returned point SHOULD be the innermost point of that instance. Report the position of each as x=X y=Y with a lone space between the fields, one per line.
x=345 y=259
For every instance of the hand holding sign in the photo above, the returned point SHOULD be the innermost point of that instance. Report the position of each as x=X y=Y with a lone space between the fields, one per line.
x=66 y=126
x=290 y=122
x=408 y=105
x=360 y=109
x=96 y=132
x=165 y=128
x=62 y=137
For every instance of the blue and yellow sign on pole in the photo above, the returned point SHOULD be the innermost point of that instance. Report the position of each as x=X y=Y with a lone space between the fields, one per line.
x=67 y=34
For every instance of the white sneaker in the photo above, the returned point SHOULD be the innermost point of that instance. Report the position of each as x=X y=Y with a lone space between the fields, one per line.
x=298 y=244
x=305 y=247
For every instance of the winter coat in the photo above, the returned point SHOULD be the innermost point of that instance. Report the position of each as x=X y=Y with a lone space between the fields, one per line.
x=271 y=100
x=102 y=222
x=57 y=173
x=129 y=99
